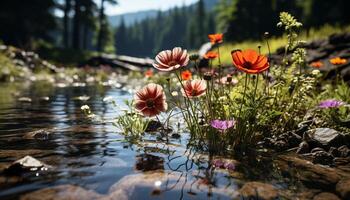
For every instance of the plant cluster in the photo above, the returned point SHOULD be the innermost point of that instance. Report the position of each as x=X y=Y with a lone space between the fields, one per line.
x=224 y=109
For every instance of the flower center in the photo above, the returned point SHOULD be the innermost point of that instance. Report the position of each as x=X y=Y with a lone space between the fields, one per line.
x=150 y=103
x=172 y=63
x=194 y=92
x=248 y=65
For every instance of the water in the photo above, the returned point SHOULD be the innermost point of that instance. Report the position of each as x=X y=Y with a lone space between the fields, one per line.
x=96 y=156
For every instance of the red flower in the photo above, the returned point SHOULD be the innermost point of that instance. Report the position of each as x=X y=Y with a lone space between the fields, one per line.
x=171 y=60
x=215 y=38
x=316 y=64
x=149 y=73
x=249 y=61
x=186 y=75
x=211 y=55
x=150 y=100
x=194 y=88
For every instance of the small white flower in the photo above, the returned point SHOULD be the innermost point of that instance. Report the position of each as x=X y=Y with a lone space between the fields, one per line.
x=174 y=93
x=85 y=107
x=315 y=72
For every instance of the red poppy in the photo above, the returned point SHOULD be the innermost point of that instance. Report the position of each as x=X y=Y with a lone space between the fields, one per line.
x=186 y=75
x=150 y=100
x=149 y=73
x=249 y=61
x=316 y=64
x=215 y=38
x=211 y=55
x=194 y=88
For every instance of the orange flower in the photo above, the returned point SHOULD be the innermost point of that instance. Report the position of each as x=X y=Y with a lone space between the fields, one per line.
x=215 y=38
x=194 y=88
x=150 y=100
x=211 y=55
x=316 y=64
x=337 y=61
x=170 y=60
x=186 y=75
x=149 y=73
x=249 y=61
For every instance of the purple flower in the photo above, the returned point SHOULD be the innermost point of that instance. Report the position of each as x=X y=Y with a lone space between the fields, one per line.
x=330 y=103
x=222 y=125
x=229 y=166
x=218 y=163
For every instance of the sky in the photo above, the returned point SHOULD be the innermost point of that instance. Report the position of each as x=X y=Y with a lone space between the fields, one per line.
x=126 y=6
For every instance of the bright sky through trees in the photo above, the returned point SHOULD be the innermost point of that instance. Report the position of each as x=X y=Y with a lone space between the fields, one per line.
x=126 y=6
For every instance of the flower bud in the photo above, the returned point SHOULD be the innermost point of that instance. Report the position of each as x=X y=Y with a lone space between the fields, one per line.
x=194 y=57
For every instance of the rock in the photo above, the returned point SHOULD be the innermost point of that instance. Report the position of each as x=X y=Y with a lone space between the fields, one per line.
x=166 y=185
x=303 y=148
x=322 y=157
x=258 y=190
x=344 y=151
x=149 y=162
x=326 y=196
x=153 y=126
x=41 y=134
x=334 y=152
x=317 y=149
x=312 y=175
x=343 y=188
x=26 y=164
x=327 y=136
x=175 y=135
x=62 y=192
x=341 y=161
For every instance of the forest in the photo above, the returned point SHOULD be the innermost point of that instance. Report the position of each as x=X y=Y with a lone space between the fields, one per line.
x=82 y=24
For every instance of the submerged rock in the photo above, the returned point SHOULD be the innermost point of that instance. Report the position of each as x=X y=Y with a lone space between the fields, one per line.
x=26 y=164
x=62 y=192
x=41 y=134
x=149 y=162
x=343 y=188
x=258 y=190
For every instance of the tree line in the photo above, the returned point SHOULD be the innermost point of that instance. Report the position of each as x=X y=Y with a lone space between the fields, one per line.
x=237 y=19
x=83 y=25
x=186 y=26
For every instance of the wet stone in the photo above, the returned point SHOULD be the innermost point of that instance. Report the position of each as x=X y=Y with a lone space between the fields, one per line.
x=26 y=164
x=303 y=148
x=343 y=188
x=327 y=136
x=326 y=196
x=344 y=151
x=258 y=190
x=62 y=192
x=153 y=126
x=322 y=157
x=341 y=161
x=314 y=150
x=334 y=152
x=41 y=134
x=312 y=175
